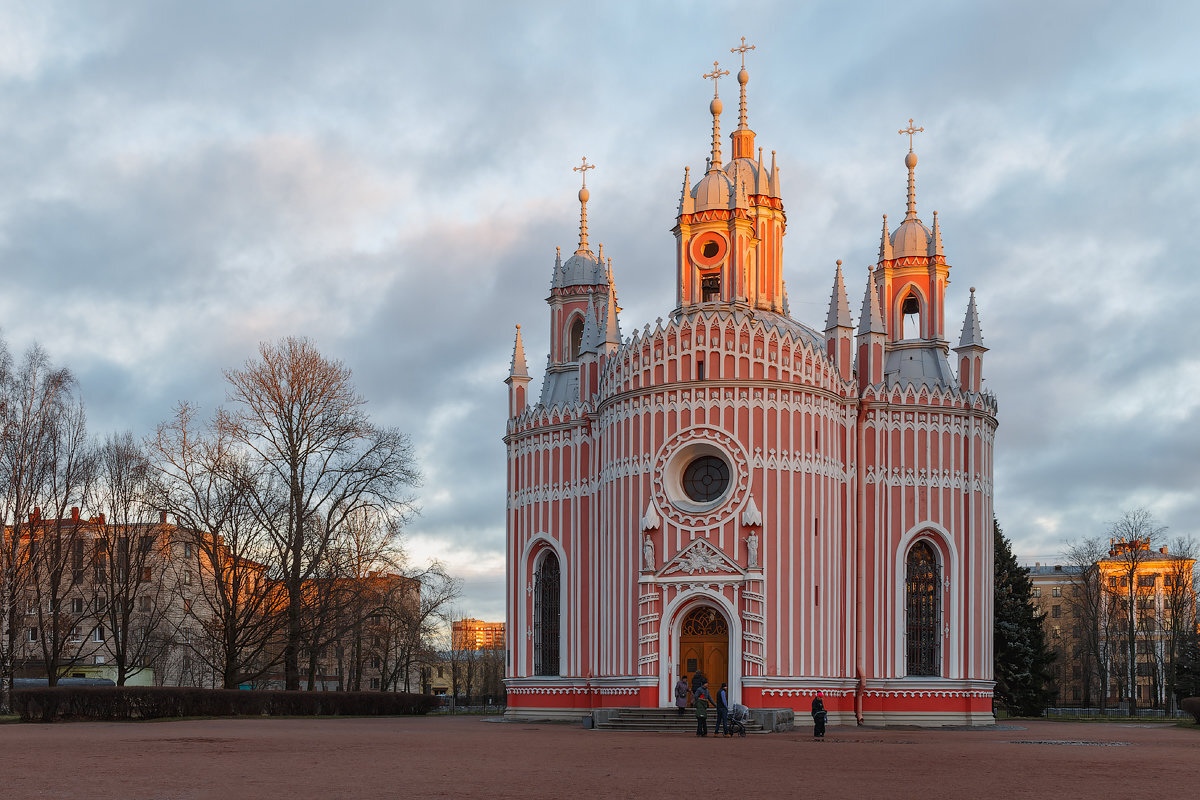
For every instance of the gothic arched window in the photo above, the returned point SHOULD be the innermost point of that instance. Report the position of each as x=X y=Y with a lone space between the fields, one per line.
x=910 y=317
x=576 y=338
x=546 y=582
x=923 y=611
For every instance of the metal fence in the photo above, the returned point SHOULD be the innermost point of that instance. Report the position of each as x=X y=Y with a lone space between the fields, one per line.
x=1119 y=711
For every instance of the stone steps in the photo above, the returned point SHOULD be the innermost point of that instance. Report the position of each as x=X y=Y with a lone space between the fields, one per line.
x=663 y=720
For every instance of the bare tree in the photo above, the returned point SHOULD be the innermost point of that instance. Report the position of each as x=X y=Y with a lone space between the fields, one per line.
x=139 y=583
x=203 y=481
x=59 y=544
x=320 y=460
x=1088 y=602
x=1133 y=535
x=1178 y=614
x=30 y=401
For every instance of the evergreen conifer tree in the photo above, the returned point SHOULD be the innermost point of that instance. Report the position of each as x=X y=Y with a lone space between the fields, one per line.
x=1022 y=659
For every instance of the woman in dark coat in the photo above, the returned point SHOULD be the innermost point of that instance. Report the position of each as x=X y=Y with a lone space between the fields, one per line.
x=681 y=693
x=818 y=714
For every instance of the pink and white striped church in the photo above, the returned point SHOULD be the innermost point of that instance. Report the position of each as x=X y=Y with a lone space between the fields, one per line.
x=731 y=491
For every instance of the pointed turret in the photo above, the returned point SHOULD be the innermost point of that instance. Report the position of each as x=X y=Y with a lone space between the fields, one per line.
x=518 y=378
x=838 y=326
x=970 y=349
x=871 y=337
x=611 y=333
x=687 y=204
x=885 y=243
x=591 y=331
x=935 y=242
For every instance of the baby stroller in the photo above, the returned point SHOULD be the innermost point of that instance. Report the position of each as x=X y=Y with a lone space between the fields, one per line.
x=736 y=723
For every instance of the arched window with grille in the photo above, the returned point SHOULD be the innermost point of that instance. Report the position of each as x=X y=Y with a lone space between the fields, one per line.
x=923 y=611
x=546 y=616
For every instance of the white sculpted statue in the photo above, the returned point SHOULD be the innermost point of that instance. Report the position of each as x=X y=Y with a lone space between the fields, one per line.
x=752 y=550
x=647 y=554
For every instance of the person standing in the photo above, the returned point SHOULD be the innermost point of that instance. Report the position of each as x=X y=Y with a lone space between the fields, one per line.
x=702 y=699
x=681 y=693
x=819 y=714
x=722 y=710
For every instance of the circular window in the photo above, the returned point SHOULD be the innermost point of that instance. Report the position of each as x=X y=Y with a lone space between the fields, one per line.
x=710 y=249
x=706 y=478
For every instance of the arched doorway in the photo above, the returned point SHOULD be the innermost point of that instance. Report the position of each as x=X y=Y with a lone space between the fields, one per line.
x=704 y=646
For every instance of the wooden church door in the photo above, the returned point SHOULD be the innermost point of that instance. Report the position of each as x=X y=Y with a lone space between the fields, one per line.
x=704 y=646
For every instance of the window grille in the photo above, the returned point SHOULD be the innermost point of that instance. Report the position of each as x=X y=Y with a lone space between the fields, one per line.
x=546 y=583
x=922 y=589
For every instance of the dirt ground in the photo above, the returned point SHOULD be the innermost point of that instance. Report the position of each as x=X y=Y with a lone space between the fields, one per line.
x=471 y=757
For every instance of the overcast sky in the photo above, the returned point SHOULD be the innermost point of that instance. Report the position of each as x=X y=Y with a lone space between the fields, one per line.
x=180 y=180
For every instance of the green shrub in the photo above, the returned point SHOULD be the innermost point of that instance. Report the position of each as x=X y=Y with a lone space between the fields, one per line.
x=152 y=702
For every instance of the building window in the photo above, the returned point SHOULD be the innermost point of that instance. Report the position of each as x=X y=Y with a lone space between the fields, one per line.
x=576 y=338
x=439 y=669
x=77 y=605
x=1056 y=591
x=1146 y=581
x=32 y=634
x=1056 y=611
x=143 y=603
x=706 y=479
x=1037 y=591
x=923 y=611
x=98 y=634
x=710 y=289
x=77 y=633
x=374 y=683
x=546 y=619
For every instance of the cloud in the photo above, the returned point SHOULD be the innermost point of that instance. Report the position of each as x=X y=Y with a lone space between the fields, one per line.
x=179 y=181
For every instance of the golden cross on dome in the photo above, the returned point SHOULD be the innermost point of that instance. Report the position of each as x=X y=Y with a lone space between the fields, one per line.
x=742 y=50
x=584 y=167
x=910 y=130
x=716 y=76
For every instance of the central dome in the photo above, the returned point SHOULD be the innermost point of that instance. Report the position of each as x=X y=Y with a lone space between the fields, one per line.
x=712 y=191
x=911 y=238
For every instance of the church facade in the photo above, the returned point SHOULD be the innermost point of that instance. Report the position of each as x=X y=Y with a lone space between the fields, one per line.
x=784 y=508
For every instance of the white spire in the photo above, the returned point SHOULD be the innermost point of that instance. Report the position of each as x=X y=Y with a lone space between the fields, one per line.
x=885 y=243
x=518 y=368
x=935 y=241
x=591 y=333
x=612 y=328
x=972 y=334
x=839 y=305
x=870 y=320
x=910 y=161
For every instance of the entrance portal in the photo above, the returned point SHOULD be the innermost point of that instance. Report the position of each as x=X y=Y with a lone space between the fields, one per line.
x=704 y=647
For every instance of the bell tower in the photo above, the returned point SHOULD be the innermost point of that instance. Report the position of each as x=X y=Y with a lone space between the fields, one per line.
x=729 y=231
x=912 y=273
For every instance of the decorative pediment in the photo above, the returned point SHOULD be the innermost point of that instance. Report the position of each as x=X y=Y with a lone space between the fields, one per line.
x=700 y=557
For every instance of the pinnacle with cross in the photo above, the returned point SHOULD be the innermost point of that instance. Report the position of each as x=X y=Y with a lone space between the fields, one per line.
x=742 y=50
x=584 y=167
x=716 y=75
x=910 y=130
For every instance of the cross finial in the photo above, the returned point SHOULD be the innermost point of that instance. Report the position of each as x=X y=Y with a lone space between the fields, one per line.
x=742 y=50
x=584 y=167
x=910 y=130
x=716 y=75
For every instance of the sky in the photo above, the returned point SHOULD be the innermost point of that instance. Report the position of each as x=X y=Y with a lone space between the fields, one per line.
x=180 y=181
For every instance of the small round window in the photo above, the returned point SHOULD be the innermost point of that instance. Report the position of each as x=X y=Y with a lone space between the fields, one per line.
x=710 y=249
x=705 y=479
